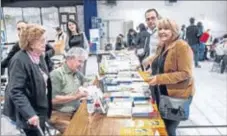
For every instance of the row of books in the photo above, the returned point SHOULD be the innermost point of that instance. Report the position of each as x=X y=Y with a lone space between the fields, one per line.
x=128 y=107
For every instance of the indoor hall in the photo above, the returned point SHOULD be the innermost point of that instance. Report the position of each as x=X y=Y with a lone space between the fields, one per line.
x=114 y=85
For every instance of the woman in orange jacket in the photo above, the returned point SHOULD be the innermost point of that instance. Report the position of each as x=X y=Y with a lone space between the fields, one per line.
x=171 y=68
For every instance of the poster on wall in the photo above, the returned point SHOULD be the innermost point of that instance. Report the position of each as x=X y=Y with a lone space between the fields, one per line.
x=94 y=40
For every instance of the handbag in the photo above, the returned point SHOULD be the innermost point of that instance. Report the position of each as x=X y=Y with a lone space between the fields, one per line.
x=141 y=52
x=172 y=108
x=176 y=109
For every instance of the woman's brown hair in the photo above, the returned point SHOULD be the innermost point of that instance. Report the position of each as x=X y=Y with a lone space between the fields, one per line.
x=166 y=23
x=29 y=34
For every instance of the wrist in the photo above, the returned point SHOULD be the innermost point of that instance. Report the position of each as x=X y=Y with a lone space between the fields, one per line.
x=76 y=97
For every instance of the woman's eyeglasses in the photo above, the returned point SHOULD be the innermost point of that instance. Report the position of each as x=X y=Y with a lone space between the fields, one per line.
x=18 y=29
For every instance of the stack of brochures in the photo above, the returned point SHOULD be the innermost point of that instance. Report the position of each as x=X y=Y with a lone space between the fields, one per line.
x=120 y=108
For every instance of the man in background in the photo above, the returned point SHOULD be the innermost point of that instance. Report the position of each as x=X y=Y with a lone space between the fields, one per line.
x=5 y=62
x=152 y=17
x=192 y=36
x=183 y=32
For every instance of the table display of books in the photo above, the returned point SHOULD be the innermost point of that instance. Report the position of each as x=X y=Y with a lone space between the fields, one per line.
x=122 y=81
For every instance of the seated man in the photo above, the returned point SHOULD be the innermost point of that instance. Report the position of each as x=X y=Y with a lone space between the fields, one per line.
x=66 y=81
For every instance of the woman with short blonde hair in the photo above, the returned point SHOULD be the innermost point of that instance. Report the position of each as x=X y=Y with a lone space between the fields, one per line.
x=28 y=95
x=171 y=68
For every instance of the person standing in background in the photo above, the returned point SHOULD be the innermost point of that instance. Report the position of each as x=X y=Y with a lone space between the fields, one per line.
x=5 y=62
x=201 y=45
x=152 y=16
x=224 y=63
x=49 y=52
x=60 y=34
x=119 y=45
x=203 y=40
x=183 y=32
x=76 y=38
x=192 y=36
x=142 y=46
x=60 y=40
x=122 y=40
x=131 y=37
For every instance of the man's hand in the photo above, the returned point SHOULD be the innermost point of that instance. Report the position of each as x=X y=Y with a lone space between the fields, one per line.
x=81 y=94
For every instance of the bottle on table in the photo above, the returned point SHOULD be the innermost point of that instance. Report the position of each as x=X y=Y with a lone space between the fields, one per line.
x=90 y=105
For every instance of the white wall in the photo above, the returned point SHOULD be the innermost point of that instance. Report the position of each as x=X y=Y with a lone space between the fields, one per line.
x=213 y=14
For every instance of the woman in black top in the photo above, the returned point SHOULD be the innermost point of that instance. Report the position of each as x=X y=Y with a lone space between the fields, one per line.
x=76 y=38
x=28 y=94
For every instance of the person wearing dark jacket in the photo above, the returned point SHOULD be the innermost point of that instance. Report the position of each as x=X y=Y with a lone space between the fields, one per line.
x=119 y=45
x=131 y=37
x=152 y=16
x=192 y=36
x=49 y=52
x=28 y=94
x=142 y=43
x=20 y=24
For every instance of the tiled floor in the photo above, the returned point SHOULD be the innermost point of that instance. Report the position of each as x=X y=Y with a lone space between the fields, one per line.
x=209 y=103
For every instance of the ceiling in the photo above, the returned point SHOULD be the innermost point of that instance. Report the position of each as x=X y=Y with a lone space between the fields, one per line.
x=40 y=3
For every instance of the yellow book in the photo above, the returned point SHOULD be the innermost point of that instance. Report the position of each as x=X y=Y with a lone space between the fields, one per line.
x=136 y=132
x=147 y=123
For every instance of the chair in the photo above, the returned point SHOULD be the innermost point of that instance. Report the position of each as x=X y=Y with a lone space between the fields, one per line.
x=50 y=129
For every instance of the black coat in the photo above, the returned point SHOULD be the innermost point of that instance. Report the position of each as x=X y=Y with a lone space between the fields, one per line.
x=26 y=94
x=192 y=35
x=5 y=62
x=48 y=54
x=143 y=41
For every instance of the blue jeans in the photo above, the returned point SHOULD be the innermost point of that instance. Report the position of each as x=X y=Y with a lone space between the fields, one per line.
x=202 y=47
x=195 y=49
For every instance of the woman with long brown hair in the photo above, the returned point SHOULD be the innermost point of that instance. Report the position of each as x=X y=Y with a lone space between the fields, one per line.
x=171 y=68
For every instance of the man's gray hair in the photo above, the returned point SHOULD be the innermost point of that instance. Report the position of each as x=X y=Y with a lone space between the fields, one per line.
x=76 y=52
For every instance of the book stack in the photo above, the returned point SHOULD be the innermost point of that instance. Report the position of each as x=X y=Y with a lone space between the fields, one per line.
x=120 y=108
x=142 y=108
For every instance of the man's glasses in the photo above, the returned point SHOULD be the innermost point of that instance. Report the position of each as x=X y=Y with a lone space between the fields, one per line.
x=151 y=18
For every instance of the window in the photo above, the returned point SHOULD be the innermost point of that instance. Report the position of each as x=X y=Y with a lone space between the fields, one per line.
x=50 y=21
x=11 y=16
x=68 y=9
x=32 y=15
